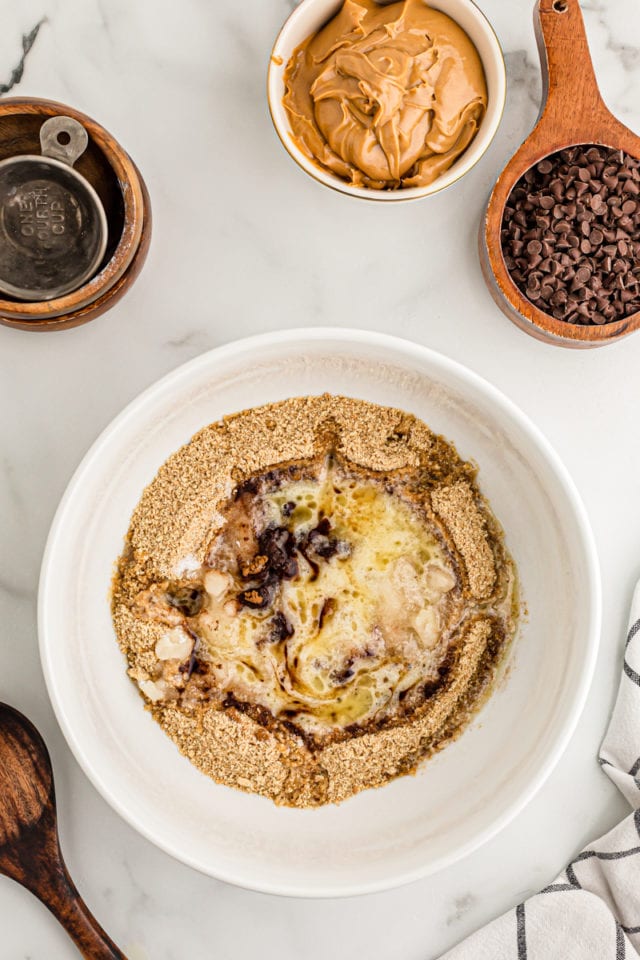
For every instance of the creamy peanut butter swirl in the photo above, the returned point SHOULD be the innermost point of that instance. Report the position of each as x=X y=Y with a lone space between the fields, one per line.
x=386 y=96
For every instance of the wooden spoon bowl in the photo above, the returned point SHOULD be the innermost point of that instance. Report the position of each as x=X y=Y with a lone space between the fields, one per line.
x=118 y=183
x=573 y=113
x=29 y=846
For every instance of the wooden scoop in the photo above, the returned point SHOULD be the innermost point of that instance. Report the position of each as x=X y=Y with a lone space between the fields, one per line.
x=573 y=112
x=29 y=846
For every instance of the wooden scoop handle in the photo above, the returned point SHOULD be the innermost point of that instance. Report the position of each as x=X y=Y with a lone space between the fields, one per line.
x=572 y=102
x=40 y=867
x=59 y=894
x=30 y=850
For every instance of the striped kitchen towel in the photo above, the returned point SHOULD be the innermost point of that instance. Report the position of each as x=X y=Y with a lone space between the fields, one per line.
x=592 y=910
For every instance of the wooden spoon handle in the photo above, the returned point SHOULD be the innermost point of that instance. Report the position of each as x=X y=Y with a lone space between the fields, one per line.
x=58 y=893
x=572 y=103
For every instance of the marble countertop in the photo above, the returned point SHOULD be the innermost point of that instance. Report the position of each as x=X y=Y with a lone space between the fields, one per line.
x=243 y=243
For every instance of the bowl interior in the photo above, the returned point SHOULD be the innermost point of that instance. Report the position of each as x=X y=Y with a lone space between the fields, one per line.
x=416 y=824
x=311 y=15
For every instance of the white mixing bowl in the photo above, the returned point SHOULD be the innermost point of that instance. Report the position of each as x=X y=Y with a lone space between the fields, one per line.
x=382 y=837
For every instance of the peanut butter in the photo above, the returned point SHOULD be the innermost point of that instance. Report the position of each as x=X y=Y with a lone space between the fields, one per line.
x=386 y=96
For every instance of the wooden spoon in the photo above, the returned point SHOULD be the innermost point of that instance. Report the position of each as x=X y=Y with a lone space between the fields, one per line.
x=29 y=845
x=573 y=112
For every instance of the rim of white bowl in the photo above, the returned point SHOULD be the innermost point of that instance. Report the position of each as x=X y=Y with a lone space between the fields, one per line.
x=470 y=157
x=409 y=348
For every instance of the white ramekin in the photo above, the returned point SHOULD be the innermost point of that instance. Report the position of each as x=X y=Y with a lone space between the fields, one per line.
x=310 y=15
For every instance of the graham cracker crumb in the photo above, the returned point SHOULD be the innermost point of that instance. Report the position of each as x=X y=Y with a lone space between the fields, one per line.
x=456 y=505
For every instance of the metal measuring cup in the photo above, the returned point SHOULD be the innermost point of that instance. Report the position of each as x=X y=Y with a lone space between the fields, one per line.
x=53 y=228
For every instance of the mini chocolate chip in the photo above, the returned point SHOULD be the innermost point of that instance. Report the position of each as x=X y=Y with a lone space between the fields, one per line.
x=186 y=598
x=278 y=544
x=576 y=220
x=257 y=598
x=318 y=541
x=281 y=629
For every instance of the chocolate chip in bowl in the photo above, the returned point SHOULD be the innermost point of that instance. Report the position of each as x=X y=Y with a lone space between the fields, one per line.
x=571 y=235
x=386 y=101
x=560 y=244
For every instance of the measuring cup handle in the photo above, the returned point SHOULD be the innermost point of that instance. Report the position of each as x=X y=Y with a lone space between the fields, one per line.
x=63 y=138
x=571 y=97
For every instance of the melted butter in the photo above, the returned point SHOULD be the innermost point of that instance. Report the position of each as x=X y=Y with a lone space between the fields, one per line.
x=360 y=636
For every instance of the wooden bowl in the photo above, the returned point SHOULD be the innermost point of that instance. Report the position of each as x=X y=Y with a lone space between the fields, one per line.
x=572 y=113
x=123 y=193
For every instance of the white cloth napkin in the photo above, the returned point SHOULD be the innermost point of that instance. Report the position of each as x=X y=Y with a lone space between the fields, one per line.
x=592 y=910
